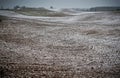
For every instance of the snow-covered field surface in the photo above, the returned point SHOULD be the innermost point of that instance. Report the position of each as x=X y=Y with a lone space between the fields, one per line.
x=86 y=45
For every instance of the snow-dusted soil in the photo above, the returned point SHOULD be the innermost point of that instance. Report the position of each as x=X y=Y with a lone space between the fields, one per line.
x=86 y=45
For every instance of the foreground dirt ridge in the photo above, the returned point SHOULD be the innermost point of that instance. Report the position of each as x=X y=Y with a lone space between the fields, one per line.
x=51 y=71
x=45 y=48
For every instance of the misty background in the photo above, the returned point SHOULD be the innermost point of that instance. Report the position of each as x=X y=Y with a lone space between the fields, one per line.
x=59 y=3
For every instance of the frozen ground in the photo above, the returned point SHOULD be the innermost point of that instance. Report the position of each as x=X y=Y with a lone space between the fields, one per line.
x=86 y=45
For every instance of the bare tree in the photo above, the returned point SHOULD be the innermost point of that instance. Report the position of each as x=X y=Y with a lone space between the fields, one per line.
x=16 y=7
x=51 y=7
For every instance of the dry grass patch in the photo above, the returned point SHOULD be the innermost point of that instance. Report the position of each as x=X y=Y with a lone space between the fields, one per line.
x=90 y=32
x=16 y=39
x=115 y=32
x=81 y=47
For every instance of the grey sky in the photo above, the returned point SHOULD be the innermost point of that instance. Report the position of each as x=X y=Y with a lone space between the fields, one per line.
x=60 y=3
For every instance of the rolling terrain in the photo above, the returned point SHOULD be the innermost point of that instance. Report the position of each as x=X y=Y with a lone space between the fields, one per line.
x=85 y=45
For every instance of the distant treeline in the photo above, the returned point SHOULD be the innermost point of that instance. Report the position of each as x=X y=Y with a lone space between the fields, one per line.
x=105 y=9
x=17 y=7
x=102 y=8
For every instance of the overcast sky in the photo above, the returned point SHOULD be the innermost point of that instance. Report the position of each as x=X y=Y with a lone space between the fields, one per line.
x=59 y=3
